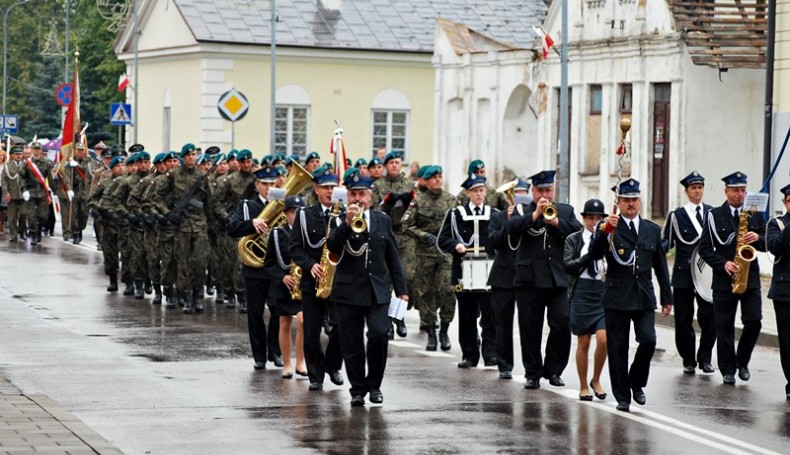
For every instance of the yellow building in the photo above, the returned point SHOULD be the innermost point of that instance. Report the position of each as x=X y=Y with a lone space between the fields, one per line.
x=367 y=66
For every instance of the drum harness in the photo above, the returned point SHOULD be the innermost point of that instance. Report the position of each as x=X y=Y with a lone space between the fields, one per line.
x=475 y=238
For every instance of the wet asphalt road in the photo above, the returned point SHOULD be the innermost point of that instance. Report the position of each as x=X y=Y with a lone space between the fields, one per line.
x=160 y=382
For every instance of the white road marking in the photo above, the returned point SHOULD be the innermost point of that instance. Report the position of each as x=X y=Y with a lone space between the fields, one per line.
x=637 y=413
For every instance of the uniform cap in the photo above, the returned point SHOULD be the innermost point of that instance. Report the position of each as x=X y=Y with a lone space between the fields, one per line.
x=735 y=180
x=375 y=161
x=392 y=156
x=115 y=161
x=213 y=150
x=293 y=159
x=266 y=174
x=473 y=181
x=431 y=171
x=692 y=179
x=219 y=157
x=543 y=179
x=361 y=162
x=323 y=176
x=312 y=156
x=293 y=201
x=187 y=148
x=137 y=147
x=353 y=180
x=159 y=157
x=593 y=207
x=522 y=185
x=421 y=171
x=475 y=166
x=244 y=154
x=628 y=189
x=100 y=146
x=785 y=190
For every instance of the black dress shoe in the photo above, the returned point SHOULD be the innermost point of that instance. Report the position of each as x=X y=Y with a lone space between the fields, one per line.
x=624 y=406
x=492 y=362
x=302 y=373
x=259 y=365
x=505 y=375
x=357 y=400
x=532 y=383
x=706 y=367
x=278 y=361
x=466 y=363
x=689 y=369
x=744 y=374
x=315 y=386
x=556 y=381
x=729 y=379
x=639 y=396
x=376 y=396
x=400 y=329
x=336 y=377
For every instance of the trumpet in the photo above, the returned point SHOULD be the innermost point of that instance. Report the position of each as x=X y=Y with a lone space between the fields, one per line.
x=509 y=189
x=358 y=223
x=550 y=212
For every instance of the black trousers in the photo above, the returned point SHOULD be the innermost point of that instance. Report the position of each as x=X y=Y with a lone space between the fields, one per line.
x=351 y=322
x=618 y=332
x=313 y=312
x=504 y=303
x=782 y=310
x=532 y=304
x=685 y=337
x=273 y=339
x=725 y=303
x=257 y=290
x=470 y=305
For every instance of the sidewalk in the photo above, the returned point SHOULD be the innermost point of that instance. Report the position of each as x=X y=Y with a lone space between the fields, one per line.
x=35 y=423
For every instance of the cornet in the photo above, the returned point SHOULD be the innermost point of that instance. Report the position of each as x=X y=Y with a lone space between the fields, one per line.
x=358 y=223
x=550 y=212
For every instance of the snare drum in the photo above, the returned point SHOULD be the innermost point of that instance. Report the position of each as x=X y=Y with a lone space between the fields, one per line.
x=474 y=273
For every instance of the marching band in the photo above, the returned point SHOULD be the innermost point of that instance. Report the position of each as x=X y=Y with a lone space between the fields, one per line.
x=289 y=238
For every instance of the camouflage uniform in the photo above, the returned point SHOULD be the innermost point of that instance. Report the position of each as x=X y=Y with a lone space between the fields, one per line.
x=99 y=203
x=13 y=185
x=227 y=257
x=216 y=226
x=424 y=216
x=128 y=236
x=191 y=235
x=73 y=213
x=137 y=230
x=237 y=186
x=151 y=234
x=100 y=173
x=37 y=208
x=165 y=238
x=494 y=199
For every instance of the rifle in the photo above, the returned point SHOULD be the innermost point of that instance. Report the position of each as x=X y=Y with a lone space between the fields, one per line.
x=174 y=216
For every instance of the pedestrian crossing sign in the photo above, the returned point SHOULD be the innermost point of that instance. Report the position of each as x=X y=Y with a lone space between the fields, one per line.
x=120 y=114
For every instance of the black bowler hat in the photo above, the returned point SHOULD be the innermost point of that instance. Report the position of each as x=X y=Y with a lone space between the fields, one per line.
x=593 y=207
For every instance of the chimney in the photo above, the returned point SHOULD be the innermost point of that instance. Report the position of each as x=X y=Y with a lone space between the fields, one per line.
x=331 y=5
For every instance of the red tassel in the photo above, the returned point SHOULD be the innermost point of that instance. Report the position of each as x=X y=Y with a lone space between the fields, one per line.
x=620 y=150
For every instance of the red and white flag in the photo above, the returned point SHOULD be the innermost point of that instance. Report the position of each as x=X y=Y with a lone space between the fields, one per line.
x=39 y=177
x=338 y=149
x=546 y=41
x=123 y=82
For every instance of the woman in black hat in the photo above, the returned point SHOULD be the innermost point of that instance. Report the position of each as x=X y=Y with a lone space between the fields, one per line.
x=584 y=294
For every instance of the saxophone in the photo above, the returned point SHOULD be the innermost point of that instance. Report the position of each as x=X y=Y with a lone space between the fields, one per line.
x=744 y=254
x=296 y=273
x=323 y=285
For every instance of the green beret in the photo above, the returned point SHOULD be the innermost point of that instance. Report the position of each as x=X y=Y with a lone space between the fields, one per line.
x=188 y=147
x=421 y=171
x=475 y=166
x=243 y=154
x=431 y=171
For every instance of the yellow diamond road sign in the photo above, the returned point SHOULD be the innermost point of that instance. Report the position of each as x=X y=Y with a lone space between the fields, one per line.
x=233 y=105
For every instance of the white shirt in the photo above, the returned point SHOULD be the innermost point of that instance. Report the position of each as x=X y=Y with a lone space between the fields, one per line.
x=635 y=220
x=263 y=199
x=472 y=208
x=733 y=209
x=366 y=214
x=691 y=211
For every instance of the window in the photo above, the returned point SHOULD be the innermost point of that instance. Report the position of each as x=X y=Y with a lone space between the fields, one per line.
x=390 y=130
x=166 y=128
x=596 y=99
x=290 y=129
x=591 y=162
x=626 y=98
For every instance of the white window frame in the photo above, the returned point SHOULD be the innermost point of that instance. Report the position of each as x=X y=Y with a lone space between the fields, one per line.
x=388 y=145
x=289 y=125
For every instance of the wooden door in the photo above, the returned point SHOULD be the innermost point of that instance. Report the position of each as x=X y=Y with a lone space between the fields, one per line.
x=660 y=151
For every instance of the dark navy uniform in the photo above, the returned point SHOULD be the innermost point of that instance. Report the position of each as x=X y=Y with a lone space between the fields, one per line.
x=369 y=268
x=683 y=231
x=629 y=296
x=778 y=242
x=503 y=297
x=541 y=285
x=458 y=227
x=716 y=247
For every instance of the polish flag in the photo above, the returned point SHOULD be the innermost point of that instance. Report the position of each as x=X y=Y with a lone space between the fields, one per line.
x=123 y=82
x=546 y=41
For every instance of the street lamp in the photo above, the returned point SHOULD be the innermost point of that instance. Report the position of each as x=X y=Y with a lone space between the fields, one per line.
x=5 y=47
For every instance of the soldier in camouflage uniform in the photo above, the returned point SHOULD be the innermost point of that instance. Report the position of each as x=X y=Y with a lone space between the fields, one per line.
x=136 y=215
x=376 y=171
x=191 y=235
x=144 y=193
x=240 y=185
x=13 y=187
x=99 y=172
x=166 y=233
x=130 y=236
x=221 y=262
x=494 y=199
x=392 y=195
x=81 y=183
x=312 y=164
x=110 y=222
x=37 y=207
x=422 y=221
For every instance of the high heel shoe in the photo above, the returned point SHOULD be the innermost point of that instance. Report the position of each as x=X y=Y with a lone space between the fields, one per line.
x=288 y=375
x=600 y=396
x=585 y=397
x=302 y=373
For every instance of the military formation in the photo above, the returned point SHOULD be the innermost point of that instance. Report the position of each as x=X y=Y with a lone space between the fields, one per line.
x=335 y=252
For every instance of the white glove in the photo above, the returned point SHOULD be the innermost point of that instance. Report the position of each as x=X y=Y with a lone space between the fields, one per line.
x=26 y=195
x=70 y=194
x=73 y=163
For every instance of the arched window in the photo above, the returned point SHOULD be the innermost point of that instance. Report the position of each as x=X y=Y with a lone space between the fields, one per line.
x=292 y=120
x=390 y=120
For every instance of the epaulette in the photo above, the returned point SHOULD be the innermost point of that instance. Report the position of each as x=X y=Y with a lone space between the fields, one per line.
x=651 y=222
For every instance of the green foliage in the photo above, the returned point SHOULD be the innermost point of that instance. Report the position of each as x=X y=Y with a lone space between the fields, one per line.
x=32 y=77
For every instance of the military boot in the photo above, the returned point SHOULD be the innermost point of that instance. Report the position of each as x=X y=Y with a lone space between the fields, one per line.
x=157 y=294
x=129 y=290
x=197 y=299
x=182 y=298
x=220 y=296
x=33 y=238
x=188 y=307
x=431 y=346
x=138 y=289
x=242 y=296
x=209 y=289
x=171 y=297
x=149 y=288
x=230 y=298
x=444 y=339
x=113 y=287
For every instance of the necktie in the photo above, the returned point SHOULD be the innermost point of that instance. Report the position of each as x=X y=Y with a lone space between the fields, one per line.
x=326 y=213
x=699 y=216
x=633 y=228
x=591 y=269
x=477 y=211
x=736 y=219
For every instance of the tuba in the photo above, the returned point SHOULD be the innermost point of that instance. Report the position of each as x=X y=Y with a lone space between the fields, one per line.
x=744 y=254
x=252 y=248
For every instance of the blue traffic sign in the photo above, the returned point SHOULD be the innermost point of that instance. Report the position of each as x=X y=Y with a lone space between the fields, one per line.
x=120 y=114
x=9 y=124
